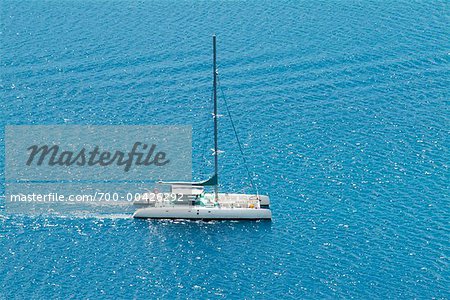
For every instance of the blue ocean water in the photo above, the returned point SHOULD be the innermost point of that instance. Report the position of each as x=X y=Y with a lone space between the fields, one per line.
x=343 y=110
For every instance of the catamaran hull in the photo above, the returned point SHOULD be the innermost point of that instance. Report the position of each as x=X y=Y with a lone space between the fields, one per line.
x=203 y=213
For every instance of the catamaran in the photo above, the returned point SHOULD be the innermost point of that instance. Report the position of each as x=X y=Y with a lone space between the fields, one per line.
x=188 y=200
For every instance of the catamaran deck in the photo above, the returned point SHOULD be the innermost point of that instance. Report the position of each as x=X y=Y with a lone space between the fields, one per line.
x=204 y=207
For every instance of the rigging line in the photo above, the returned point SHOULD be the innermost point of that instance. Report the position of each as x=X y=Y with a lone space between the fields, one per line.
x=237 y=138
x=205 y=145
x=202 y=165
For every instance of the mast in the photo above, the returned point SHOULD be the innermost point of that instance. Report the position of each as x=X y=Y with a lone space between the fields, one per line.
x=215 y=117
